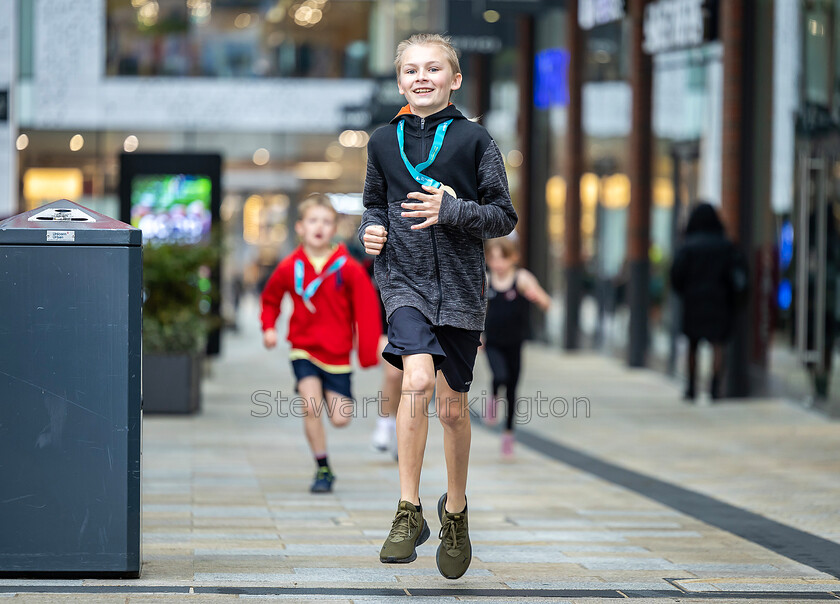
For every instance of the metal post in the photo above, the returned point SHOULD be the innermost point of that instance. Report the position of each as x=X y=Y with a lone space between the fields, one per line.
x=572 y=260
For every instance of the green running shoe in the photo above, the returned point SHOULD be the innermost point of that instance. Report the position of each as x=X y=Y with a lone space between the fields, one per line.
x=454 y=553
x=408 y=530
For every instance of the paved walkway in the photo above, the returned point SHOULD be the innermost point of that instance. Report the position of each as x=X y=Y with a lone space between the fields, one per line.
x=625 y=492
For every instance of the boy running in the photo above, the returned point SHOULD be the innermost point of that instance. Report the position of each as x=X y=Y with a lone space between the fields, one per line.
x=334 y=302
x=435 y=188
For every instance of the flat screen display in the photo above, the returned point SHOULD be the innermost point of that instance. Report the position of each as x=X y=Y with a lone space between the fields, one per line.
x=172 y=208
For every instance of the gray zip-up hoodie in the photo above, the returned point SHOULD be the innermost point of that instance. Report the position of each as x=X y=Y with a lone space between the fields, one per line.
x=438 y=270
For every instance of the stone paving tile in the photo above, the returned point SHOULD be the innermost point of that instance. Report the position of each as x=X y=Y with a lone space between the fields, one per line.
x=629 y=513
x=696 y=600
x=655 y=585
x=240 y=551
x=42 y=582
x=754 y=585
x=160 y=537
x=661 y=534
x=46 y=598
x=157 y=599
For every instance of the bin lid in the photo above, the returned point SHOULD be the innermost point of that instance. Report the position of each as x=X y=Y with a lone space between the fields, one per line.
x=64 y=222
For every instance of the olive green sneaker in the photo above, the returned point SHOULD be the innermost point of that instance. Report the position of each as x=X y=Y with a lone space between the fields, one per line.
x=408 y=530
x=454 y=553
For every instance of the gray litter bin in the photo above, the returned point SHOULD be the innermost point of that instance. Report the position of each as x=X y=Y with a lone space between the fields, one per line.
x=70 y=295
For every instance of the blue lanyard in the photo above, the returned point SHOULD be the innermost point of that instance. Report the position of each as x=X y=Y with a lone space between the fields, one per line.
x=416 y=171
x=309 y=291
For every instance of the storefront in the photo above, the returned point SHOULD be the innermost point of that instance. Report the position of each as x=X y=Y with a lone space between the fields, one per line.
x=783 y=203
x=806 y=203
x=687 y=93
x=270 y=86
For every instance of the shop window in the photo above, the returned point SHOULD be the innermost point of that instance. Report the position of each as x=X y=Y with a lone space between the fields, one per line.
x=817 y=44
x=605 y=58
x=241 y=39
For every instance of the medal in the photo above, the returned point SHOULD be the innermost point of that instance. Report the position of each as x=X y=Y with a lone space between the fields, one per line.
x=449 y=190
x=417 y=171
x=307 y=292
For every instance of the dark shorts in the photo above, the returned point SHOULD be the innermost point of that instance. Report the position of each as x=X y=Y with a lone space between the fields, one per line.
x=335 y=382
x=453 y=350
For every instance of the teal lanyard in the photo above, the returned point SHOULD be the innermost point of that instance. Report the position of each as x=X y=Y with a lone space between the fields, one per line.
x=417 y=171
x=309 y=291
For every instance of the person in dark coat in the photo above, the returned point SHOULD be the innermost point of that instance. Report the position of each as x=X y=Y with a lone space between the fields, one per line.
x=709 y=276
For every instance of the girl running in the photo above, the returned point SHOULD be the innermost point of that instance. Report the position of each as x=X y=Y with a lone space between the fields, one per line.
x=510 y=293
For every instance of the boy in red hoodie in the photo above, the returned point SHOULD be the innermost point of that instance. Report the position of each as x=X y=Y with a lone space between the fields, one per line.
x=334 y=304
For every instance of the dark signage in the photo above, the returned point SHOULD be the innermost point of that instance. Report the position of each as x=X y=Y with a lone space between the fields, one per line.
x=4 y=105
x=487 y=45
x=813 y=119
x=677 y=24
x=592 y=13
x=475 y=27
x=384 y=103
x=355 y=117
x=521 y=7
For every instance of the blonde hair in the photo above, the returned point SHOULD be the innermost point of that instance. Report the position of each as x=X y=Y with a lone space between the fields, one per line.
x=315 y=200
x=443 y=42
x=506 y=246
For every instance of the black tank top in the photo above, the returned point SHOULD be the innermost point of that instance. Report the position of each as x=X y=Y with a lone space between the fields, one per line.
x=507 y=316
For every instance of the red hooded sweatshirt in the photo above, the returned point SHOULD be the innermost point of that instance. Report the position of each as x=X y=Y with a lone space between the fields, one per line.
x=345 y=308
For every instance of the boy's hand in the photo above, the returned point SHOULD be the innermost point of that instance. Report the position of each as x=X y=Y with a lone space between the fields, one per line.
x=375 y=238
x=270 y=338
x=428 y=208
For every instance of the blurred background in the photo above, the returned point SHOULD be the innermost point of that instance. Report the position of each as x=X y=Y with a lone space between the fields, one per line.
x=614 y=117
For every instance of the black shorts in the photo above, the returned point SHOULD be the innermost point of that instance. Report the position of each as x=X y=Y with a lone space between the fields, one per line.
x=335 y=382
x=453 y=350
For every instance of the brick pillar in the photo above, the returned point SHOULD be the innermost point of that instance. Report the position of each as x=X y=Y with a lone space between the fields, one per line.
x=573 y=263
x=525 y=131
x=638 y=235
x=737 y=168
x=732 y=180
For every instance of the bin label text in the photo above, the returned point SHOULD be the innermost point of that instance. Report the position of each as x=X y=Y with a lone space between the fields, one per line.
x=61 y=235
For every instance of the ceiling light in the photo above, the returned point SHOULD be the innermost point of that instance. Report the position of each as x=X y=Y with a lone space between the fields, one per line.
x=130 y=144
x=261 y=156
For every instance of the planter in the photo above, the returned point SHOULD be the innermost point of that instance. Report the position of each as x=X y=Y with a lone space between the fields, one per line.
x=171 y=383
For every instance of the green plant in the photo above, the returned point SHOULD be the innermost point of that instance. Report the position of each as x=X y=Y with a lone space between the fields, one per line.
x=176 y=293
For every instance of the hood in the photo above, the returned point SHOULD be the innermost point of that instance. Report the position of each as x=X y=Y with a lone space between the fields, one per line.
x=704 y=219
x=340 y=250
x=447 y=113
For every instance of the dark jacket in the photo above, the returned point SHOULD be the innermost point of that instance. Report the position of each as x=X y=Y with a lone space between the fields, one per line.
x=438 y=270
x=709 y=275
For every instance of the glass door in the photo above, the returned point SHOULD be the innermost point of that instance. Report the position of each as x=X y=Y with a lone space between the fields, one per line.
x=809 y=256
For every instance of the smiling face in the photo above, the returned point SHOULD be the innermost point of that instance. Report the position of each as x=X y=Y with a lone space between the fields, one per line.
x=316 y=229
x=426 y=79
